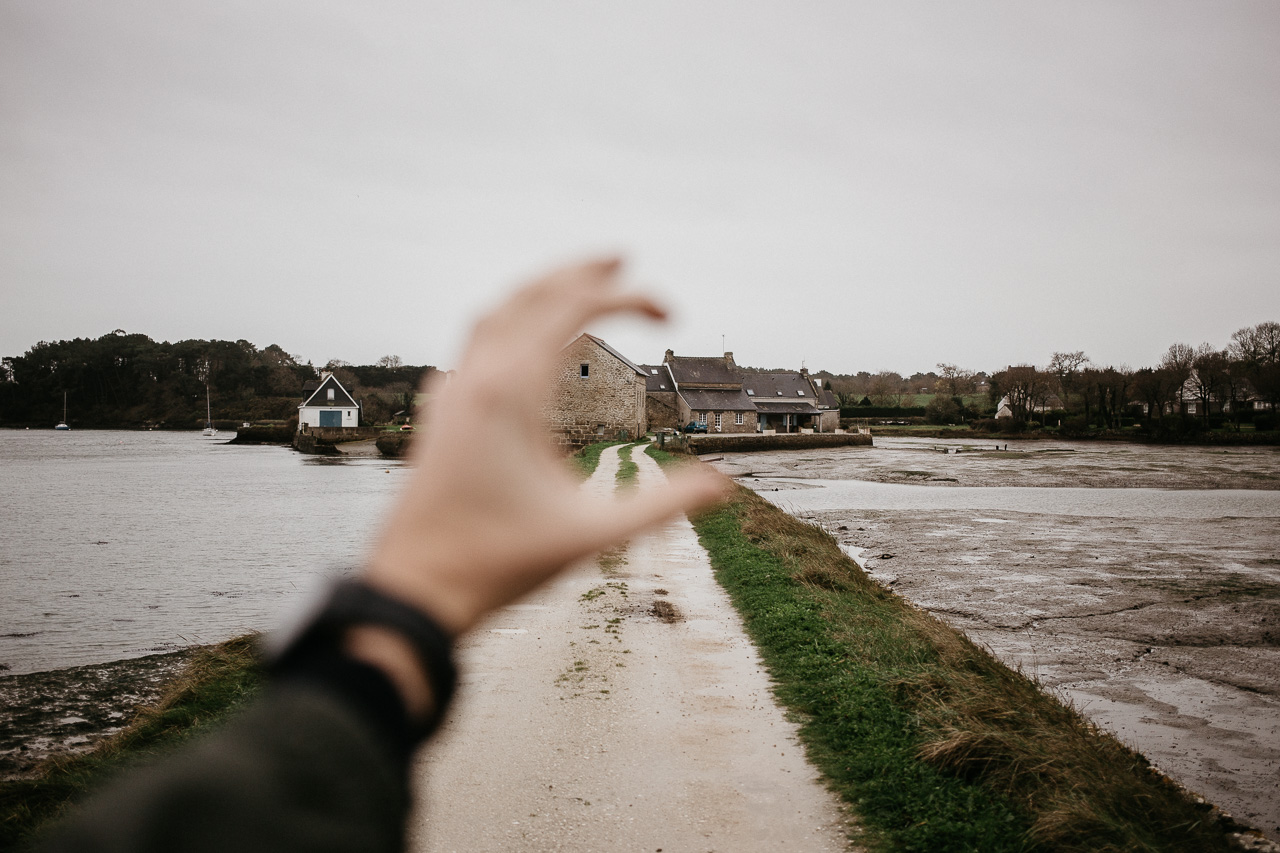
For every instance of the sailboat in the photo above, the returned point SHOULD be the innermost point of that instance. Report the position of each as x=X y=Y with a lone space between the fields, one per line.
x=208 y=423
x=63 y=424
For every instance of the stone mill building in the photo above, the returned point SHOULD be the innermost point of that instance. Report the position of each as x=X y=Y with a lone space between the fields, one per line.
x=599 y=395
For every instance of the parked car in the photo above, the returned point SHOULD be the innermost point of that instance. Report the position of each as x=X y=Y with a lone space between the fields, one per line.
x=694 y=426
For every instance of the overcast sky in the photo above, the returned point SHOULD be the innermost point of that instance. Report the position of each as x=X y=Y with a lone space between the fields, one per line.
x=857 y=186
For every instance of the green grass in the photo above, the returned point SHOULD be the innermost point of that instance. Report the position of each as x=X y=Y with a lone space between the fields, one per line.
x=587 y=459
x=217 y=683
x=627 y=469
x=935 y=744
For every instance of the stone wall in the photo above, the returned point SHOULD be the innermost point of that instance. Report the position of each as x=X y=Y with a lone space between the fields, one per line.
x=606 y=404
x=790 y=441
x=661 y=411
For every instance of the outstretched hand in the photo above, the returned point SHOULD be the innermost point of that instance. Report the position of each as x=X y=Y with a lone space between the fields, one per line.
x=492 y=510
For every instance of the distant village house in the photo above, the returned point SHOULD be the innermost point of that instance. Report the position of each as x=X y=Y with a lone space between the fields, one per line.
x=327 y=404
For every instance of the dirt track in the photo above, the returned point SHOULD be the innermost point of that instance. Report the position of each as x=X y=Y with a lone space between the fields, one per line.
x=621 y=709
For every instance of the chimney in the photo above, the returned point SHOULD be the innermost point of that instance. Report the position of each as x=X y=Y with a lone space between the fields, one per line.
x=668 y=357
x=804 y=371
x=728 y=357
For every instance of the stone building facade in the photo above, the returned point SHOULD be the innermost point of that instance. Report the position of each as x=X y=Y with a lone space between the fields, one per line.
x=661 y=409
x=599 y=395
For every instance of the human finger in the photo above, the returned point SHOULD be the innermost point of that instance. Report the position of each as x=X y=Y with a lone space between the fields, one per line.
x=686 y=490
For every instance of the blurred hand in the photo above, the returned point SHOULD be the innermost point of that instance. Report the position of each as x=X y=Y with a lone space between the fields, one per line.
x=492 y=510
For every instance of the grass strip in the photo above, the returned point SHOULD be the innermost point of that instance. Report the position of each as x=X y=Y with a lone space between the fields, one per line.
x=216 y=684
x=586 y=460
x=628 y=470
x=935 y=744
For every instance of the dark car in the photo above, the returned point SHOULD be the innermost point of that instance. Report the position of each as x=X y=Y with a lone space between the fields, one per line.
x=694 y=426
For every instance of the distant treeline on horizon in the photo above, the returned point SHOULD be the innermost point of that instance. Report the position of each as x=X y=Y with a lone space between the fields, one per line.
x=130 y=380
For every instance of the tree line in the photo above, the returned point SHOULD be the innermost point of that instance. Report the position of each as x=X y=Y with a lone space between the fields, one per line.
x=130 y=380
x=1190 y=387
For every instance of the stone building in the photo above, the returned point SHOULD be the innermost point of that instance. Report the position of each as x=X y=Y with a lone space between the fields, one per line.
x=709 y=391
x=660 y=398
x=715 y=391
x=599 y=395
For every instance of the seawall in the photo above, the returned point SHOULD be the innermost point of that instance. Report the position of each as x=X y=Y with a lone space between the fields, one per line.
x=788 y=441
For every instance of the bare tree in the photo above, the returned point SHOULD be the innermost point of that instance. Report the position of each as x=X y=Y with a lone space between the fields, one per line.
x=391 y=361
x=1025 y=387
x=1065 y=367
x=1257 y=351
x=886 y=388
x=1206 y=381
x=1177 y=362
x=953 y=381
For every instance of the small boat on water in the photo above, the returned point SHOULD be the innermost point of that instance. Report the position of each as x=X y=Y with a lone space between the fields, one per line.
x=208 y=423
x=63 y=424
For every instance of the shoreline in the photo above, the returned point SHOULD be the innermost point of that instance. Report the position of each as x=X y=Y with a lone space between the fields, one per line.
x=71 y=710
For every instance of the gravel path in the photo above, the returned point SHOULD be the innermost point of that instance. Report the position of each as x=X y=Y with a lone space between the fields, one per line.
x=621 y=709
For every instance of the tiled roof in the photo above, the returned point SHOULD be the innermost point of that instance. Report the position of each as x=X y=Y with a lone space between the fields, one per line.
x=780 y=406
x=767 y=386
x=693 y=370
x=656 y=378
x=717 y=401
x=622 y=358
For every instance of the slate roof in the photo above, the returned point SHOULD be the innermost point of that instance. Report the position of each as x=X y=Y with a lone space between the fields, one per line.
x=778 y=406
x=767 y=386
x=320 y=397
x=695 y=370
x=619 y=356
x=713 y=400
x=656 y=378
x=827 y=399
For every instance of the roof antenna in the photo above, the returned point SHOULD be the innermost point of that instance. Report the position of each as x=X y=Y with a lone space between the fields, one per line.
x=722 y=349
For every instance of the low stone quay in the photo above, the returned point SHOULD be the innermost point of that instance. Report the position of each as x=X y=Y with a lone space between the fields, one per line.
x=752 y=442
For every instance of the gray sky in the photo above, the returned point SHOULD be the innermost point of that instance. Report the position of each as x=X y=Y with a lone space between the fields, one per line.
x=858 y=185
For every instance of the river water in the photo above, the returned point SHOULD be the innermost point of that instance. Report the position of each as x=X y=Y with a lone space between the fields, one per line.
x=121 y=544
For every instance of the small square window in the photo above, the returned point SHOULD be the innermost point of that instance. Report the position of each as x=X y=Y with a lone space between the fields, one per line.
x=737 y=418
x=584 y=370
x=750 y=393
x=799 y=392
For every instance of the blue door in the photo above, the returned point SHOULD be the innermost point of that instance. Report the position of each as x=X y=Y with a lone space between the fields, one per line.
x=330 y=418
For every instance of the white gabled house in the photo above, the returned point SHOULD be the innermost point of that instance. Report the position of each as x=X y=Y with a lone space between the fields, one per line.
x=328 y=405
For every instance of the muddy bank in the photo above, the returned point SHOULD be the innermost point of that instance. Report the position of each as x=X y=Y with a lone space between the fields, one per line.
x=1163 y=629
x=954 y=462
x=71 y=710
x=1152 y=627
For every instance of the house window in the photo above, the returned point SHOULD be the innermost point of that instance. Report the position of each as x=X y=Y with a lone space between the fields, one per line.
x=702 y=418
x=750 y=393
x=737 y=418
x=330 y=395
x=584 y=370
x=718 y=420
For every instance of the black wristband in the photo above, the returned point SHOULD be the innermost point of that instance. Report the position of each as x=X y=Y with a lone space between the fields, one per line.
x=354 y=603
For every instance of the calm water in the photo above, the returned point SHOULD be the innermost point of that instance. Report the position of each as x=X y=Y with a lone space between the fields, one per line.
x=119 y=544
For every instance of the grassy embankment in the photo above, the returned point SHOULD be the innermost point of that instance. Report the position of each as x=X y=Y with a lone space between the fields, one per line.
x=935 y=744
x=215 y=684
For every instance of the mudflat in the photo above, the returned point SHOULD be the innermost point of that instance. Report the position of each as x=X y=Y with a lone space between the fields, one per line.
x=1163 y=627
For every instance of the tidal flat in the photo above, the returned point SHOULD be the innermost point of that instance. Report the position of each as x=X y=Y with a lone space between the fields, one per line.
x=1142 y=583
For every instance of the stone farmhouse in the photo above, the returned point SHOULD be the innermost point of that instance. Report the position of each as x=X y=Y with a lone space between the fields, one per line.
x=716 y=392
x=326 y=403
x=599 y=395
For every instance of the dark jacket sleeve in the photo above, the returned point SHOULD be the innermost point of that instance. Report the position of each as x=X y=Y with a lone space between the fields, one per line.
x=313 y=766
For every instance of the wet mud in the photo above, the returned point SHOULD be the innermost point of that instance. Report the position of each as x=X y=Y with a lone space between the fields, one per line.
x=71 y=710
x=1166 y=631
x=954 y=462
